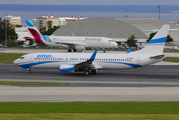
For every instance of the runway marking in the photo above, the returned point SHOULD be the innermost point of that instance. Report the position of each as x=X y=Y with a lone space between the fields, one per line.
x=9 y=52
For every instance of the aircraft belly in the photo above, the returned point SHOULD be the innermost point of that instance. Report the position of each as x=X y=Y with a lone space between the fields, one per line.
x=115 y=66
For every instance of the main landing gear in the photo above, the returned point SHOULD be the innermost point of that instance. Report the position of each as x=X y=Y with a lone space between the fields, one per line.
x=87 y=72
x=69 y=50
x=29 y=71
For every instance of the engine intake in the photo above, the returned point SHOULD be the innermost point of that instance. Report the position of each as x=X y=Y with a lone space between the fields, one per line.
x=80 y=47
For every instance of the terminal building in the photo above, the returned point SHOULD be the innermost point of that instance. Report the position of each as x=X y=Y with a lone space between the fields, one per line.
x=119 y=29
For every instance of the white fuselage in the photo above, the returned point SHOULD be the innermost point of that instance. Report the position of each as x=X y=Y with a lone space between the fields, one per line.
x=92 y=42
x=102 y=60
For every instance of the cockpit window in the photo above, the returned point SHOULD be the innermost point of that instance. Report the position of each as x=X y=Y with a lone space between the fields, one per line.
x=111 y=41
x=22 y=57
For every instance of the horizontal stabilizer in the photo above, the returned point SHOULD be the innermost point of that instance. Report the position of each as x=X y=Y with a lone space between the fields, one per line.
x=157 y=57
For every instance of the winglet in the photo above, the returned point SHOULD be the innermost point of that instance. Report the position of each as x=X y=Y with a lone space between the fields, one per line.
x=129 y=51
x=93 y=56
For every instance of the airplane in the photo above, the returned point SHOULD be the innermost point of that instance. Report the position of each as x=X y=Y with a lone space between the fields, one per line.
x=71 y=42
x=90 y=63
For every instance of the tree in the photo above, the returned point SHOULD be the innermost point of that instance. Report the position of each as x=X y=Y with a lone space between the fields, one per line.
x=169 y=38
x=51 y=30
x=49 y=24
x=10 y=43
x=43 y=30
x=10 y=34
x=3 y=23
x=131 y=41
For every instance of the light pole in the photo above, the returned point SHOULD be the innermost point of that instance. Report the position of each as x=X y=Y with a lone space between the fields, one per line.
x=6 y=35
x=159 y=11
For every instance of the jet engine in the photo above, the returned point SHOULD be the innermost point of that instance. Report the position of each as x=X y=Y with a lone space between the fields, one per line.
x=80 y=47
x=67 y=68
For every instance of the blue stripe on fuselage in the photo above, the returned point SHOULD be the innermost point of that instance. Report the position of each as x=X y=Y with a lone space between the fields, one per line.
x=28 y=65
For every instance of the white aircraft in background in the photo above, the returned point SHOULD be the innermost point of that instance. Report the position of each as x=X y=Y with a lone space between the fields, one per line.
x=90 y=63
x=71 y=42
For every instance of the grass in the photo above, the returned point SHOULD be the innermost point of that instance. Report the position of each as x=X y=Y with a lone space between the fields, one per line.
x=172 y=59
x=8 y=58
x=90 y=107
x=89 y=110
x=67 y=116
x=30 y=83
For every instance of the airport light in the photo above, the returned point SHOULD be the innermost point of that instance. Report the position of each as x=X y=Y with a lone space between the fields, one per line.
x=159 y=11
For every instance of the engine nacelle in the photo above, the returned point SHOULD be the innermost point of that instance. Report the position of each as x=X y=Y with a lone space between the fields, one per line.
x=80 y=47
x=67 y=68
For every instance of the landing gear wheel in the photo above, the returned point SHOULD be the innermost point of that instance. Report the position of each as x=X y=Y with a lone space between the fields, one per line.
x=87 y=73
x=69 y=50
x=93 y=72
x=28 y=71
x=74 y=50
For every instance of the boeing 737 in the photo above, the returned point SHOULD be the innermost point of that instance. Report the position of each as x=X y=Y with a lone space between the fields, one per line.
x=90 y=63
x=71 y=42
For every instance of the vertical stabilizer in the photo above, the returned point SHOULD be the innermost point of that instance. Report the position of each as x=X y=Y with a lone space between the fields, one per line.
x=35 y=32
x=156 y=45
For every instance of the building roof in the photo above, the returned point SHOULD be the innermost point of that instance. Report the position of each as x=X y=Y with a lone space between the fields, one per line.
x=100 y=27
x=120 y=28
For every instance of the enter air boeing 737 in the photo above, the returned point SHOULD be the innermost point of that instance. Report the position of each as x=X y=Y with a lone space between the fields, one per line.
x=90 y=63
x=71 y=42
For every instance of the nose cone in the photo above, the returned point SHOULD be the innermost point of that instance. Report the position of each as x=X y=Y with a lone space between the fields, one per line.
x=16 y=61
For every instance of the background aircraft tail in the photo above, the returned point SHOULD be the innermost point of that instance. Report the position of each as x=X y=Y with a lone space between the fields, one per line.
x=39 y=38
x=156 y=45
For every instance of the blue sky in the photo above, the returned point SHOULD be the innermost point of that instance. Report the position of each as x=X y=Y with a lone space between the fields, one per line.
x=92 y=2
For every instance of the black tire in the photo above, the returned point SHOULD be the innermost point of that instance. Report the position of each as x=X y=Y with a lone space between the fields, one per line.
x=69 y=50
x=74 y=50
x=87 y=73
x=93 y=72
x=28 y=71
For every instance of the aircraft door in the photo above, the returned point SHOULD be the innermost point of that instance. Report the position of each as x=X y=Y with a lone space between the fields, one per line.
x=138 y=60
x=30 y=59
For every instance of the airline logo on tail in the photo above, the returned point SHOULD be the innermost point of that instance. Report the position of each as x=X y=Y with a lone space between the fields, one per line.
x=35 y=33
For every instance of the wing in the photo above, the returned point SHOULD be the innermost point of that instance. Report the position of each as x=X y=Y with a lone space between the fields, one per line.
x=88 y=64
